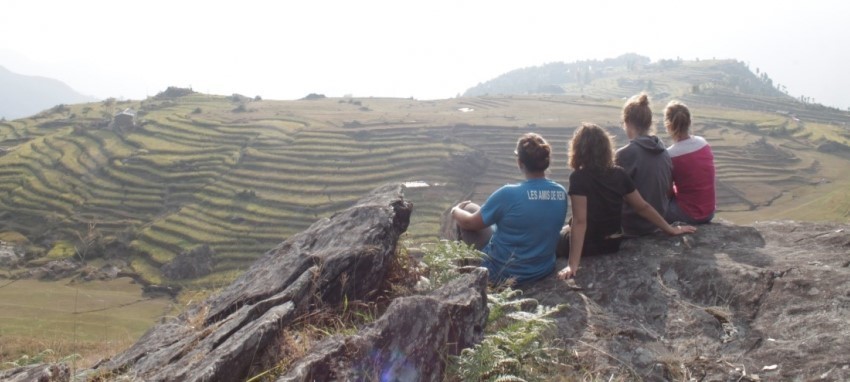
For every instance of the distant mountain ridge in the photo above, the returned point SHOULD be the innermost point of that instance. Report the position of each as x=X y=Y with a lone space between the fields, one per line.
x=631 y=73
x=22 y=95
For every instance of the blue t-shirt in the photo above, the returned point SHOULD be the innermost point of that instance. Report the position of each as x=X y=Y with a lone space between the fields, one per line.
x=528 y=218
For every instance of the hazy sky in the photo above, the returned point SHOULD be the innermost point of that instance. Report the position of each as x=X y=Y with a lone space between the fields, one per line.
x=424 y=49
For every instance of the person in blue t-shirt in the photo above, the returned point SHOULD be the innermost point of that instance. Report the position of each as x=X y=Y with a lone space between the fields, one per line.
x=518 y=226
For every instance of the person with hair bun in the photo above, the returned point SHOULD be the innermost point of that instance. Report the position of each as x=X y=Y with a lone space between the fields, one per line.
x=647 y=162
x=597 y=191
x=518 y=226
x=693 y=199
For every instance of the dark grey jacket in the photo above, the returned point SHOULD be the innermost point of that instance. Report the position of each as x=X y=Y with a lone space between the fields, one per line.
x=646 y=161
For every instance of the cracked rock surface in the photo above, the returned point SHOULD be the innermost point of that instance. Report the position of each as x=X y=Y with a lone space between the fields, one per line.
x=768 y=302
x=411 y=342
x=226 y=337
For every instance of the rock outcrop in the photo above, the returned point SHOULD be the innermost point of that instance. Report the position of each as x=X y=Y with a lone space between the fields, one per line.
x=727 y=303
x=410 y=342
x=342 y=257
x=194 y=263
x=54 y=270
x=9 y=258
x=768 y=302
x=37 y=373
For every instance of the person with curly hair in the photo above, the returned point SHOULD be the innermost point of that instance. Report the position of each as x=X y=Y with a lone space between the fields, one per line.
x=518 y=226
x=597 y=191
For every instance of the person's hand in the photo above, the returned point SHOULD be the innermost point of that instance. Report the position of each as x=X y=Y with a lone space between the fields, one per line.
x=567 y=272
x=683 y=229
x=460 y=206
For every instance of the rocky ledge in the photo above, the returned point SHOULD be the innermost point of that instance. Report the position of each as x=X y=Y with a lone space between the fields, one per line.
x=729 y=303
x=237 y=334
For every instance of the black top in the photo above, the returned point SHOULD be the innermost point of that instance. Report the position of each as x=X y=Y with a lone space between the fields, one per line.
x=604 y=191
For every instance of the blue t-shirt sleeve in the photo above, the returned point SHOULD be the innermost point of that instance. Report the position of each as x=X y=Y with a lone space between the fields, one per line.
x=495 y=207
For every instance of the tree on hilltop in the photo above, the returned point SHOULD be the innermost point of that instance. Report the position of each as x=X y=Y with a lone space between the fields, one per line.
x=174 y=92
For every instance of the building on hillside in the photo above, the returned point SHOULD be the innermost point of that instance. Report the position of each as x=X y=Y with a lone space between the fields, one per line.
x=124 y=121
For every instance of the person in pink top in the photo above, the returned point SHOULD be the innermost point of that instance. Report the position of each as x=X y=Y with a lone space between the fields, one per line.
x=693 y=200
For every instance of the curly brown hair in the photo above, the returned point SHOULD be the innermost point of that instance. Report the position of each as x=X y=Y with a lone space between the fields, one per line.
x=591 y=149
x=636 y=112
x=534 y=152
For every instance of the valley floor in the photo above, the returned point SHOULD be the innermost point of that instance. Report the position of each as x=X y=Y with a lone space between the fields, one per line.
x=83 y=321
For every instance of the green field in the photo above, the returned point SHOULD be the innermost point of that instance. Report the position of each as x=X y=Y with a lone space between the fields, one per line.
x=198 y=170
x=92 y=320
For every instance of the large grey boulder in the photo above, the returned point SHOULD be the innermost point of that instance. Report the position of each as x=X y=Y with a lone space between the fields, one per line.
x=410 y=342
x=196 y=262
x=37 y=373
x=342 y=257
x=55 y=270
x=728 y=303
x=9 y=258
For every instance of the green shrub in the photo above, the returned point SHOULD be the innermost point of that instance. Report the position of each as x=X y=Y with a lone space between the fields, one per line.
x=515 y=345
x=61 y=250
x=442 y=260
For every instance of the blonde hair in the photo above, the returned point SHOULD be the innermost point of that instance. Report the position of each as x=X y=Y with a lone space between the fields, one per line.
x=636 y=112
x=677 y=118
x=534 y=152
x=591 y=149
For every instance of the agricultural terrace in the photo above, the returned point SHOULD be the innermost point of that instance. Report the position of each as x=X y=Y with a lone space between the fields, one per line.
x=242 y=175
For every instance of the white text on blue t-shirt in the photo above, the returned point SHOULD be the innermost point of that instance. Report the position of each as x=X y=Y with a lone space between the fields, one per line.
x=546 y=195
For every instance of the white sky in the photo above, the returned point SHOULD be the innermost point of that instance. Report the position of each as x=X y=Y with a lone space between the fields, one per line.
x=424 y=49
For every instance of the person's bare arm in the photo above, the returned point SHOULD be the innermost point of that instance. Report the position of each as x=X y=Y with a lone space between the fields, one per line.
x=467 y=220
x=577 y=231
x=646 y=211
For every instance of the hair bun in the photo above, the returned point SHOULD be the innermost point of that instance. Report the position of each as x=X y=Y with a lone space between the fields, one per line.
x=534 y=152
x=636 y=112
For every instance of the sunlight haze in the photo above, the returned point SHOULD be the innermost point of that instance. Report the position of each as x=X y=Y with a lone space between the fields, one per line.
x=426 y=50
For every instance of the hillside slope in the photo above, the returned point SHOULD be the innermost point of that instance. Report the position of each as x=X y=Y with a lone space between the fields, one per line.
x=22 y=95
x=196 y=170
x=230 y=177
x=628 y=74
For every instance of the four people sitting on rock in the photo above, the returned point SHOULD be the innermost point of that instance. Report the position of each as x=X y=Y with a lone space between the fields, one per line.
x=518 y=226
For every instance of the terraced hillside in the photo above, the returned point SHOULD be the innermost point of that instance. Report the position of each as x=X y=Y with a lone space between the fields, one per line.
x=240 y=175
x=185 y=177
